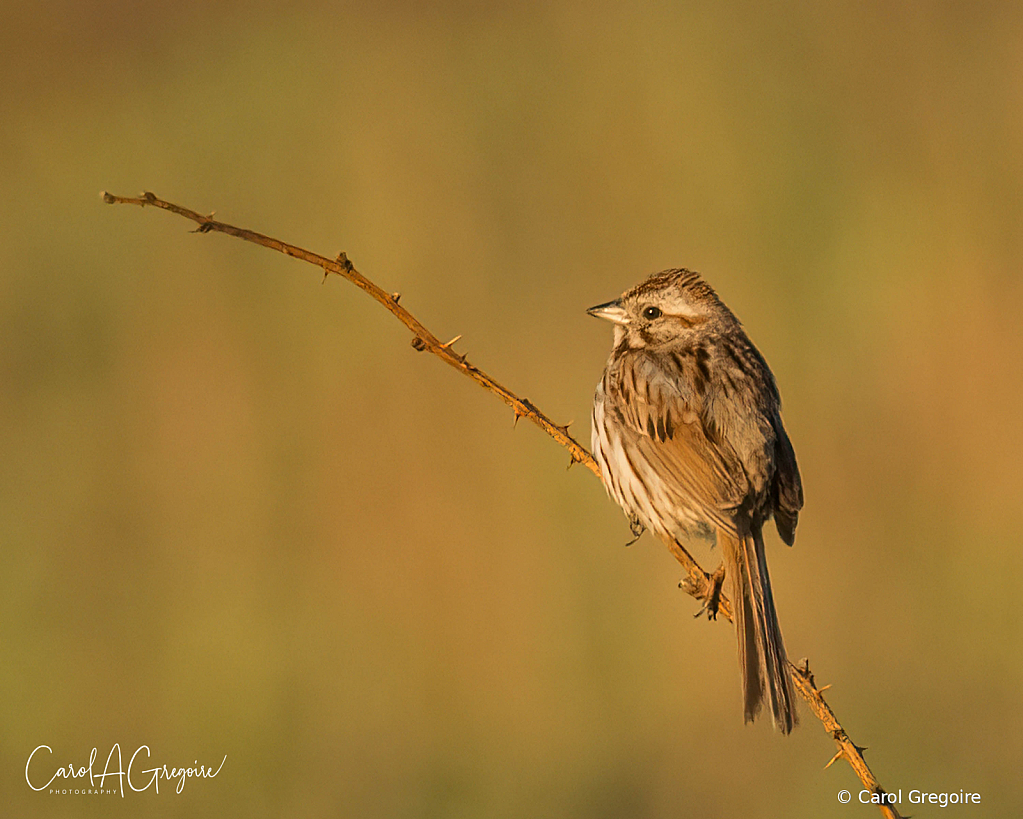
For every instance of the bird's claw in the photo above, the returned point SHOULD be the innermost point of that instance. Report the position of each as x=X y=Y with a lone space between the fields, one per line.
x=637 y=528
x=711 y=594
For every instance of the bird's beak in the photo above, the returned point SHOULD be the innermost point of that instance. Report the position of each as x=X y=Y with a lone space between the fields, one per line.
x=612 y=311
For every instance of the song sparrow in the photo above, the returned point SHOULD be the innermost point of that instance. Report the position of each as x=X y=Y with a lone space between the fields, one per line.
x=687 y=431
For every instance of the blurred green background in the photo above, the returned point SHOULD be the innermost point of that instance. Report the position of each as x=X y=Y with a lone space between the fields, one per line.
x=240 y=515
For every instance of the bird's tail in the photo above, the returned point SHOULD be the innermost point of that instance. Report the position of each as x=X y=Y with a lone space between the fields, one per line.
x=762 y=660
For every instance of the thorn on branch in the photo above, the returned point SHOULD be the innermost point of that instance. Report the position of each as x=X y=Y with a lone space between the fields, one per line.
x=446 y=345
x=803 y=669
x=418 y=344
x=342 y=259
x=835 y=758
x=395 y=297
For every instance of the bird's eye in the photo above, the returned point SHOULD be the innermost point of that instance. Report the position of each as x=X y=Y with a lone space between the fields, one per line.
x=651 y=313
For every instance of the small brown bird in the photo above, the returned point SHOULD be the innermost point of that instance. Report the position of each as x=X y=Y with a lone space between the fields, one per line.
x=687 y=431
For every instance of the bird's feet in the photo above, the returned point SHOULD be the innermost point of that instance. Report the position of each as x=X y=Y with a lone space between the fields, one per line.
x=637 y=527
x=710 y=594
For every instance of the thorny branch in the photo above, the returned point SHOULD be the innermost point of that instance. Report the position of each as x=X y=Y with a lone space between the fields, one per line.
x=697 y=581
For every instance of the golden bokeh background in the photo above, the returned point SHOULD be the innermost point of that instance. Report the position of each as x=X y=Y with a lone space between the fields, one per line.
x=240 y=515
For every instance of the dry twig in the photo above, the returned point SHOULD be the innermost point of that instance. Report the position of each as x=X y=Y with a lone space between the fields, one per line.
x=697 y=581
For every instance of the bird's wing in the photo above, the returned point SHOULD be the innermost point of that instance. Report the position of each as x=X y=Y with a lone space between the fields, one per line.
x=787 y=491
x=663 y=412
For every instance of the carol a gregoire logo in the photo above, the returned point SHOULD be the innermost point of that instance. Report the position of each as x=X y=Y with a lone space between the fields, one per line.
x=44 y=773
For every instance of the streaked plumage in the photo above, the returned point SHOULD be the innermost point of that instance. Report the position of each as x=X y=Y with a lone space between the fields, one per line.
x=688 y=434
